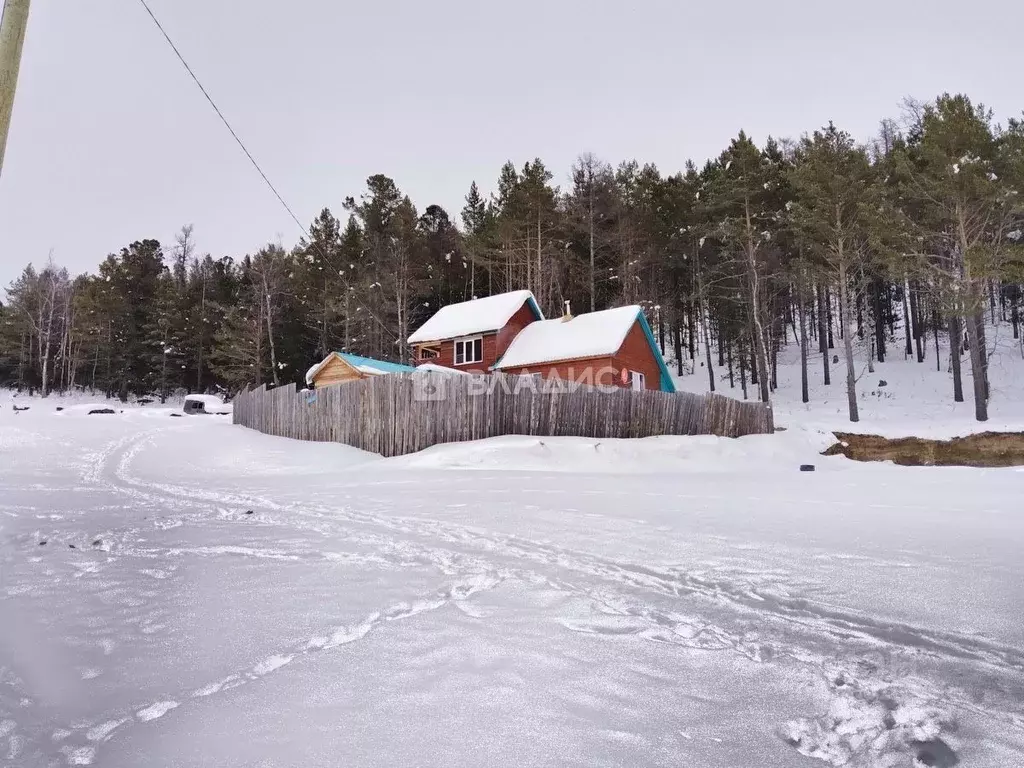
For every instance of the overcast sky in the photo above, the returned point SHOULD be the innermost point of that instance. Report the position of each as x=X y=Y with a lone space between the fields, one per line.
x=112 y=142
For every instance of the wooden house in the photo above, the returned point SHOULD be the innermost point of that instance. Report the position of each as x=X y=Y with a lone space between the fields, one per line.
x=611 y=347
x=471 y=336
x=339 y=367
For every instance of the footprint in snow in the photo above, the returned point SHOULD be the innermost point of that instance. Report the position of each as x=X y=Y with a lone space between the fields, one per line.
x=79 y=756
x=350 y=634
x=102 y=731
x=231 y=681
x=155 y=711
x=268 y=665
x=406 y=610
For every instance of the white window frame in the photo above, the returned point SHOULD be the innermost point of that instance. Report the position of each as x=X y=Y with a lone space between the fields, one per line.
x=635 y=377
x=470 y=342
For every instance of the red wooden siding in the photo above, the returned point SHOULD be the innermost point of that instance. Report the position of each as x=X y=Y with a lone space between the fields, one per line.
x=522 y=318
x=593 y=370
x=635 y=354
x=494 y=344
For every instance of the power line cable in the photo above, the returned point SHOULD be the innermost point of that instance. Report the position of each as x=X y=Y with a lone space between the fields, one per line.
x=248 y=154
x=220 y=114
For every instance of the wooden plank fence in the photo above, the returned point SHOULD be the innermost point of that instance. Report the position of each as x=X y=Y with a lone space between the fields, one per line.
x=403 y=413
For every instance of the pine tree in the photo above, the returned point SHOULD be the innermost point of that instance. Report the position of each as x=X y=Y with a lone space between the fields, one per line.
x=836 y=208
x=962 y=206
x=741 y=198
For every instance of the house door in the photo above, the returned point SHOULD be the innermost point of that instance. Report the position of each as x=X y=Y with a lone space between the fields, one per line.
x=637 y=380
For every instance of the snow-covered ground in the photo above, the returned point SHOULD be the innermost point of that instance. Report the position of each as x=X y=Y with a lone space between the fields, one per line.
x=207 y=595
x=916 y=399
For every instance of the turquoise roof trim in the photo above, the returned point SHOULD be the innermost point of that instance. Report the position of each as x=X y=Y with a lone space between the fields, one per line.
x=532 y=304
x=380 y=365
x=666 y=377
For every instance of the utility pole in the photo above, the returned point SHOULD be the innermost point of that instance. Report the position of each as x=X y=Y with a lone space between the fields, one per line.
x=12 y=39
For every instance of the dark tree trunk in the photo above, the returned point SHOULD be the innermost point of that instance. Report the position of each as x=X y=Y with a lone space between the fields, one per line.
x=823 y=333
x=956 y=336
x=976 y=342
x=677 y=339
x=822 y=319
x=935 y=322
x=804 y=388
x=983 y=351
x=846 y=312
x=707 y=355
x=860 y=313
x=828 y=314
x=915 y=315
x=907 y=327
x=691 y=316
x=879 y=320
x=775 y=367
x=890 y=315
x=732 y=377
x=1015 y=313
x=753 y=361
x=743 y=372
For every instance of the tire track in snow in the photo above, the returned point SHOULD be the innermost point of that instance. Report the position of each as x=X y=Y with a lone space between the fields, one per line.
x=810 y=615
x=817 y=626
x=806 y=615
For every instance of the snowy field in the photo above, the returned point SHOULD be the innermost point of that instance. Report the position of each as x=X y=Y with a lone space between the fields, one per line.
x=207 y=595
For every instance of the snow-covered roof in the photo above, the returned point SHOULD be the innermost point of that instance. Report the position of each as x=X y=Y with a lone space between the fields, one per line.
x=595 y=334
x=211 y=400
x=315 y=369
x=366 y=365
x=476 y=316
x=435 y=368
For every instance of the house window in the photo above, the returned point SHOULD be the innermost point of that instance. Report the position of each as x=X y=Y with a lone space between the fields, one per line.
x=637 y=380
x=469 y=351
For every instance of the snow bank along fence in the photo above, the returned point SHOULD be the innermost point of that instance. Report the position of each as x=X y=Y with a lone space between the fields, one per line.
x=404 y=413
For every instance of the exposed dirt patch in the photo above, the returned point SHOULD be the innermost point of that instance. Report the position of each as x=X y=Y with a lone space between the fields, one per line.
x=987 y=449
